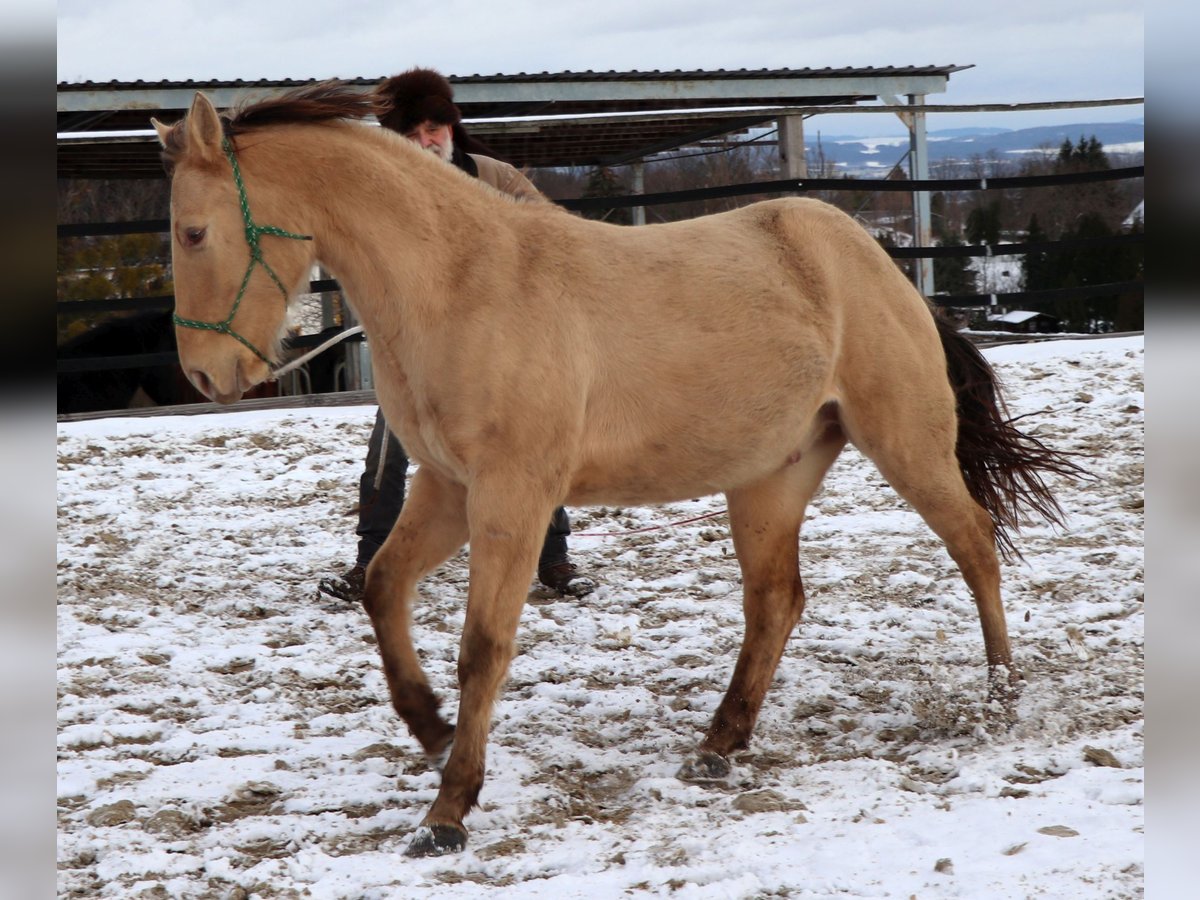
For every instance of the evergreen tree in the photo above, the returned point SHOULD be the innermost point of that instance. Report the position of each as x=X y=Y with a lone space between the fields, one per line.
x=1131 y=307
x=1087 y=155
x=950 y=273
x=102 y=267
x=603 y=182
x=99 y=268
x=1082 y=266
x=1066 y=152
x=1078 y=212
x=1036 y=275
x=1060 y=207
x=983 y=224
x=886 y=239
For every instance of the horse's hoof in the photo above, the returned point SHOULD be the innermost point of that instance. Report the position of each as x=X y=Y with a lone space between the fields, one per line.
x=1005 y=684
x=704 y=767
x=1004 y=691
x=436 y=840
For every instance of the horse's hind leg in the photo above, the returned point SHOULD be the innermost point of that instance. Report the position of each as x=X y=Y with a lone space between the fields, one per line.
x=431 y=527
x=914 y=450
x=765 y=520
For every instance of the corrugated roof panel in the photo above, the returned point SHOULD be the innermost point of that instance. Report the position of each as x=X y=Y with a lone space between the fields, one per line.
x=123 y=106
x=634 y=75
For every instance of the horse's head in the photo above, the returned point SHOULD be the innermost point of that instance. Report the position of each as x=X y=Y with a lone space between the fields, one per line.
x=234 y=267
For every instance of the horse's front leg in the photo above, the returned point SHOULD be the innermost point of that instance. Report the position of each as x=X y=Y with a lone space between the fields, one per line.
x=431 y=527
x=507 y=525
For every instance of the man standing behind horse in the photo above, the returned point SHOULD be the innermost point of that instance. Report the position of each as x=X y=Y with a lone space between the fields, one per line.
x=423 y=110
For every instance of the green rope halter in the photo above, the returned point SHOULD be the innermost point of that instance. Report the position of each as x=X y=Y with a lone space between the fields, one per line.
x=253 y=233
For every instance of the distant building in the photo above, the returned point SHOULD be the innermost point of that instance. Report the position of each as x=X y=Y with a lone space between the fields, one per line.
x=1023 y=321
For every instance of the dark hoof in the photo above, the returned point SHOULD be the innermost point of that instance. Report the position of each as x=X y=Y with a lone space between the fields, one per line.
x=704 y=767
x=436 y=840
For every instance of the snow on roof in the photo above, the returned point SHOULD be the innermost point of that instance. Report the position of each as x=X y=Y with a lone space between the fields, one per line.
x=1138 y=215
x=1016 y=317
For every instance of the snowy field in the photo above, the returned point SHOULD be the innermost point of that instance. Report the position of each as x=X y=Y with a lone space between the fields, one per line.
x=224 y=733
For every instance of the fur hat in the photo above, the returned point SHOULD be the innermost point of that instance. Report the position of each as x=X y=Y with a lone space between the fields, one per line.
x=417 y=96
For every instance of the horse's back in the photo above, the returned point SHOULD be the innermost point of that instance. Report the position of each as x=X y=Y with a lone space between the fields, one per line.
x=788 y=282
x=722 y=338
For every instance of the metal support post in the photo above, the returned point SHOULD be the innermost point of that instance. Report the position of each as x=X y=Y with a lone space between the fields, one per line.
x=918 y=155
x=792 y=160
x=639 y=187
x=359 y=375
x=922 y=219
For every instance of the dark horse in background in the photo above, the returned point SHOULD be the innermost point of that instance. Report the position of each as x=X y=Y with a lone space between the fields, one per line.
x=142 y=348
x=155 y=380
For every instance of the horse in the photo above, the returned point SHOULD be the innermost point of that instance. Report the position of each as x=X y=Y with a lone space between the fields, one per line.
x=154 y=380
x=528 y=358
x=141 y=334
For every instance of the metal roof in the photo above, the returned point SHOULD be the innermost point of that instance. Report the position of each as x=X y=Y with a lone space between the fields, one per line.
x=566 y=118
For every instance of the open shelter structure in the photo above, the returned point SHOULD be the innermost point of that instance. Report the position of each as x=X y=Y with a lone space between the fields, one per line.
x=543 y=120
x=546 y=119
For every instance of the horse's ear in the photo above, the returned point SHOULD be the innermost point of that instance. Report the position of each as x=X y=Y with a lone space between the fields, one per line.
x=164 y=131
x=204 y=133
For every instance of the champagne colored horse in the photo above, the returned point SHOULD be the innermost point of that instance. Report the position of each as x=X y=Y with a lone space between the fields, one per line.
x=528 y=358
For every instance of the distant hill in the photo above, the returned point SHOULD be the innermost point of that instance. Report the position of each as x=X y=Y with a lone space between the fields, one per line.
x=967 y=132
x=865 y=155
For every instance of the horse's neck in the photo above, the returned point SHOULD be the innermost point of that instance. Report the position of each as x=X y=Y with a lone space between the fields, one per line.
x=389 y=223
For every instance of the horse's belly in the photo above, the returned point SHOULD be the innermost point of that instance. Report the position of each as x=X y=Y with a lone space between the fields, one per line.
x=686 y=467
x=637 y=489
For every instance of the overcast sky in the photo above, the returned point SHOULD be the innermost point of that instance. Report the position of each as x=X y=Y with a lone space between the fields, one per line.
x=1022 y=50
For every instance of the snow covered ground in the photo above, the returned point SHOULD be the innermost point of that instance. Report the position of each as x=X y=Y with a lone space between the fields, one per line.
x=225 y=733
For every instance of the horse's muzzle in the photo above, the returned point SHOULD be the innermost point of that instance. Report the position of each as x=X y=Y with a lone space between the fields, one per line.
x=209 y=387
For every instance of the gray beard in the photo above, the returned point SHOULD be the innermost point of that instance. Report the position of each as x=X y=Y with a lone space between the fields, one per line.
x=446 y=154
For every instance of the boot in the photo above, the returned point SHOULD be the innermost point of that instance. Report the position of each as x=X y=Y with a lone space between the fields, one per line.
x=349 y=586
x=566 y=579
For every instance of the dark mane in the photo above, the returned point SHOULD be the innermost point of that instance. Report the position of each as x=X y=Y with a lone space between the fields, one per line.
x=329 y=101
x=325 y=102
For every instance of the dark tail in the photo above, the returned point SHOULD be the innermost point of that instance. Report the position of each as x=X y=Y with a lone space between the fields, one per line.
x=1002 y=466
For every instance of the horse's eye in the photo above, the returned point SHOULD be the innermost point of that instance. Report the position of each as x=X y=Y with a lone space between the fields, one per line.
x=193 y=237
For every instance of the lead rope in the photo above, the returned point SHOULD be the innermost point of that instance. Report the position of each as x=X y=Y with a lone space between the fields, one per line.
x=253 y=232
x=662 y=527
x=383 y=454
x=316 y=351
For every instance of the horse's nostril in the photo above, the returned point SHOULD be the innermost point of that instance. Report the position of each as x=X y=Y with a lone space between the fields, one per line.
x=202 y=382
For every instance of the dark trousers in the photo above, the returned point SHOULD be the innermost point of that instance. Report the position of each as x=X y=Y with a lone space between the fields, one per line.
x=379 y=507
